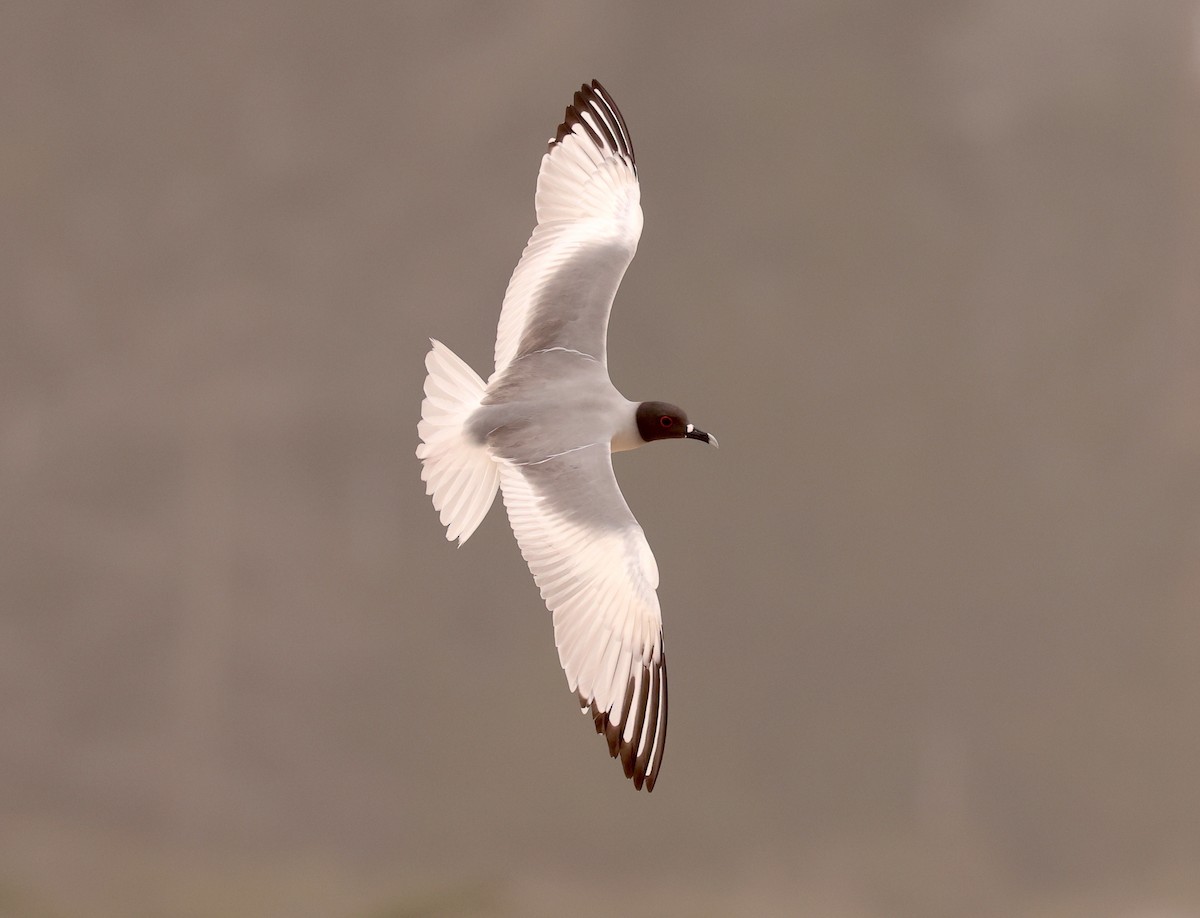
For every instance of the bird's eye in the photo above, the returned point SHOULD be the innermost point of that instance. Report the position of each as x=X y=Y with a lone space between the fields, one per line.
x=665 y=421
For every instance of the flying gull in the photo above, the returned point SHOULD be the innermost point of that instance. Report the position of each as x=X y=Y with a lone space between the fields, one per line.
x=544 y=426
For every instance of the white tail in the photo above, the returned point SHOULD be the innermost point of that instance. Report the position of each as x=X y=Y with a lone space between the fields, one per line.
x=459 y=473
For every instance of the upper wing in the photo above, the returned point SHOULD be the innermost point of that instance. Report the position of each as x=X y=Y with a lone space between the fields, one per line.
x=597 y=575
x=589 y=223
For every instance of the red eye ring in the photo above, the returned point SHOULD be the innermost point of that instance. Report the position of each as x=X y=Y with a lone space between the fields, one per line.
x=666 y=421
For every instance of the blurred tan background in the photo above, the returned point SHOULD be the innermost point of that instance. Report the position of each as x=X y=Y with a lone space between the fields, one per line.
x=928 y=269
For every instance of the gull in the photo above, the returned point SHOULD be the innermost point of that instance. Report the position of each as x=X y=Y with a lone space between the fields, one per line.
x=544 y=426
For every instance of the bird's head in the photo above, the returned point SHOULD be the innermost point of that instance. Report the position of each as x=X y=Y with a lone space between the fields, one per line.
x=664 y=421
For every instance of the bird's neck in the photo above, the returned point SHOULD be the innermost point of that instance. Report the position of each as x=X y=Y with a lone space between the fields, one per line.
x=627 y=436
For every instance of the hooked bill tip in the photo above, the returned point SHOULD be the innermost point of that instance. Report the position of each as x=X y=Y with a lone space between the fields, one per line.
x=694 y=433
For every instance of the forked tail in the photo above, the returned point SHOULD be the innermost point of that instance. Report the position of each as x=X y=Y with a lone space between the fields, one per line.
x=459 y=473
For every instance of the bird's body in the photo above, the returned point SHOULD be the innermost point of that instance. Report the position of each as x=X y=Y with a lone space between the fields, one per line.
x=545 y=424
x=590 y=409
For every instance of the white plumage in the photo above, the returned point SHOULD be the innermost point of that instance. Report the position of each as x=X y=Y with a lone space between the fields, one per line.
x=544 y=427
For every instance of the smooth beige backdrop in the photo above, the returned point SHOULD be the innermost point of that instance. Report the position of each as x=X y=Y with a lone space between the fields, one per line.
x=928 y=269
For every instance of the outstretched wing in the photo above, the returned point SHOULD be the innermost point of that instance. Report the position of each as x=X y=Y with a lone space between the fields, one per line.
x=589 y=223
x=598 y=576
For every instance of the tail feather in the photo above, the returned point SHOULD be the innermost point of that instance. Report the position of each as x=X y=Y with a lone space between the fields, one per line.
x=460 y=474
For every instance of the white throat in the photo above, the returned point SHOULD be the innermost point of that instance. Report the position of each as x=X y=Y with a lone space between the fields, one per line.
x=627 y=436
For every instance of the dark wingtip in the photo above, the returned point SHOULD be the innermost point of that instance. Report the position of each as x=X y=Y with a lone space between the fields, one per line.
x=637 y=766
x=609 y=129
